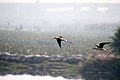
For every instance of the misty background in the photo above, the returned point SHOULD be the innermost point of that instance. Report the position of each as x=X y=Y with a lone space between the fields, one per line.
x=60 y=17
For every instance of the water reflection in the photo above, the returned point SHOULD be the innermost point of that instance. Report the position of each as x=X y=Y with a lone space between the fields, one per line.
x=97 y=76
x=30 y=77
x=94 y=69
x=101 y=69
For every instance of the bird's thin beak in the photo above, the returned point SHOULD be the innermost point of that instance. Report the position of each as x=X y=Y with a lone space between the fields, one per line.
x=70 y=42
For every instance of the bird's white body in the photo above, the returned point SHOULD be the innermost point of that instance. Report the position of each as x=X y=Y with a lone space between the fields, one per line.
x=100 y=46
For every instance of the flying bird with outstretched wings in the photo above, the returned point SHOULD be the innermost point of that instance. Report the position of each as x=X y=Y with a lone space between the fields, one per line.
x=101 y=45
x=60 y=39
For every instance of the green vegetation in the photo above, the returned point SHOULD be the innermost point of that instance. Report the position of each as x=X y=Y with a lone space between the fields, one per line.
x=26 y=42
x=44 y=68
x=57 y=68
x=116 y=42
x=12 y=67
x=101 y=69
x=106 y=69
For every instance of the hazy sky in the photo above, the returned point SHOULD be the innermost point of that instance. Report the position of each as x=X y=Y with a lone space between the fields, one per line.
x=63 y=1
x=50 y=14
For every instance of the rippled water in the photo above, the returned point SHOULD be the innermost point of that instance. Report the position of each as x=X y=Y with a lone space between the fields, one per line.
x=30 y=77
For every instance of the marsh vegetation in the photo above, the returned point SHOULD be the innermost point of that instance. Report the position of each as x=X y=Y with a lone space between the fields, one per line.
x=22 y=42
x=42 y=43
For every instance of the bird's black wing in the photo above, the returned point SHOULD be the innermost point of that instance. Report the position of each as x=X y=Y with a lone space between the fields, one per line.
x=103 y=43
x=59 y=42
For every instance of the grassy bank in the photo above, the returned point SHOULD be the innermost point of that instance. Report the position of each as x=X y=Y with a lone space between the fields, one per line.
x=44 y=68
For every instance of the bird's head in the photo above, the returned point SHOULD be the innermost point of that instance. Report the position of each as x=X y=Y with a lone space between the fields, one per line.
x=95 y=47
x=60 y=36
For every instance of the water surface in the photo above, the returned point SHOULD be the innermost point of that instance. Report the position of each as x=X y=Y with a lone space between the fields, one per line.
x=30 y=77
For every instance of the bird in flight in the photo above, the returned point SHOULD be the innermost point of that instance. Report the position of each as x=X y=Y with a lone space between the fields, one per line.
x=60 y=39
x=100 y=46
